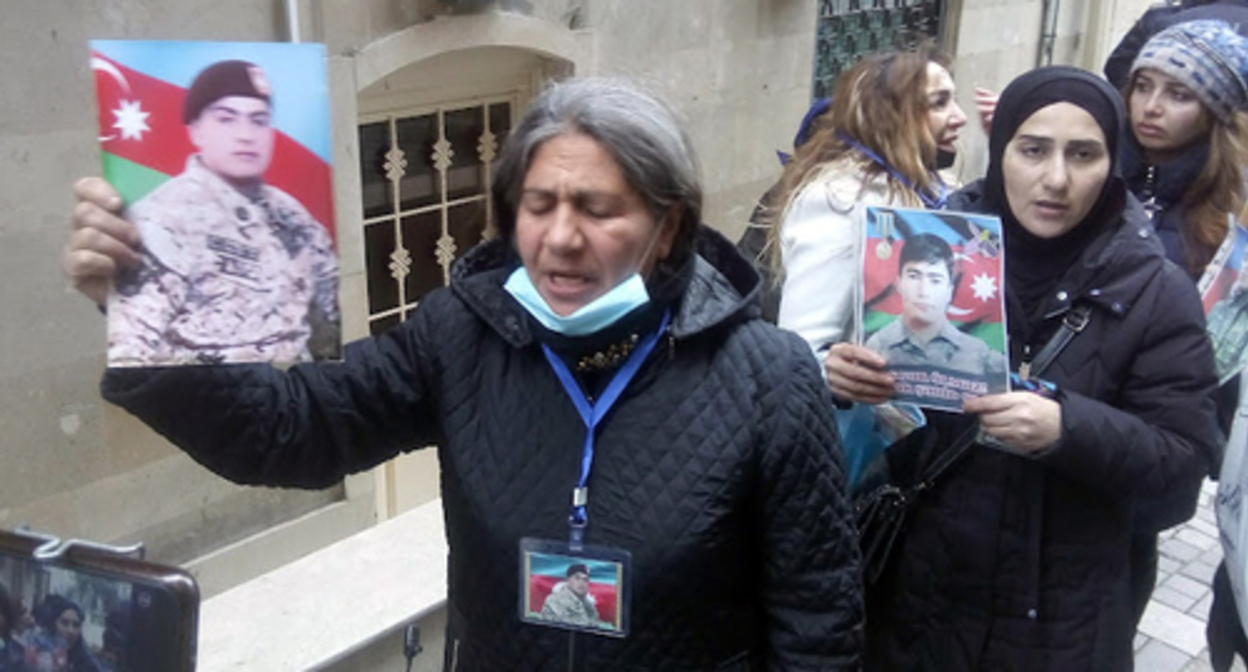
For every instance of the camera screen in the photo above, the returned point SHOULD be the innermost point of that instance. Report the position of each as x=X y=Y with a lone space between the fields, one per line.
x=57 y=619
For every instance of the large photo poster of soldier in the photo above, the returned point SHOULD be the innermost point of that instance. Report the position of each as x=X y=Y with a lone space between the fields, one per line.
x=1224 y=292
x=933 y=303
x=221 y=153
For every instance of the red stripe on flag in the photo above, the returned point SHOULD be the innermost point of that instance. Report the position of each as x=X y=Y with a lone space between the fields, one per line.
x=1219 y=288
x=302 y=174
x=163 y=148
x=295 y=169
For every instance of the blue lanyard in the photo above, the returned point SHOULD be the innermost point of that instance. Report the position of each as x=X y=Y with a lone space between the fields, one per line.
x=933 y=203
x=592 y=414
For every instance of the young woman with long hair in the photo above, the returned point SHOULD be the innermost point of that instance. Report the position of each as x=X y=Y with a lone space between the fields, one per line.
x=892 y=116
x=1184 y=160
x=878 y=144
x=1188 y=145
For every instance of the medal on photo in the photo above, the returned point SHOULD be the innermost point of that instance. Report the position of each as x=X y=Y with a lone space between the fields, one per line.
x=587 y=590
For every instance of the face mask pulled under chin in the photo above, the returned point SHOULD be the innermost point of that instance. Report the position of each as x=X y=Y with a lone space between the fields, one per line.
x=591 y=318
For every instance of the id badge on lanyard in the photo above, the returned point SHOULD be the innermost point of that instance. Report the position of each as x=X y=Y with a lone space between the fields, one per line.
x=570 y=584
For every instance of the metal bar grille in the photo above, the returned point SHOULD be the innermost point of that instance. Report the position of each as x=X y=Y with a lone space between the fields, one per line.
x=426 y=177
x=847 y=30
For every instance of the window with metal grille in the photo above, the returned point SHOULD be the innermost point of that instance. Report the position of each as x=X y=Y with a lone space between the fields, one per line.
x=847 y=30
x=426 y=179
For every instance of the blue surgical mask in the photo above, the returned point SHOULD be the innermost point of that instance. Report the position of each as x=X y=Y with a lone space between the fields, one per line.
x=595 y=316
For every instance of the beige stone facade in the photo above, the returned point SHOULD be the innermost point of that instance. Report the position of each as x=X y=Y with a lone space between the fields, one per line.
x=739 y=71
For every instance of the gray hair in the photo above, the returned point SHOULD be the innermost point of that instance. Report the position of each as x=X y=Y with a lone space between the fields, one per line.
x=636 y=127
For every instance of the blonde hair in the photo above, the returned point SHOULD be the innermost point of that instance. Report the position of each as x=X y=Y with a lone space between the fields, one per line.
x=880 y=103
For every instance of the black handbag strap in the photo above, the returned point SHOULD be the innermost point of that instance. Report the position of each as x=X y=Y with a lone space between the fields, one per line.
x=1076 y=321
x=949 y=457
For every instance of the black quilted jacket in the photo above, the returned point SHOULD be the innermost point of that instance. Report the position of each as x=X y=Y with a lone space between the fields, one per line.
x=1016 y=563
x=718 y=469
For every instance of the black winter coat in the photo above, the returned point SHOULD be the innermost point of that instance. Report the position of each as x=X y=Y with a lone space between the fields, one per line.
x=718 y=469
x=1018 y=563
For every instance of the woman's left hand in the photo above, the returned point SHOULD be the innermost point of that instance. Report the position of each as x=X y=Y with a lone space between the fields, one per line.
x=1022 y=420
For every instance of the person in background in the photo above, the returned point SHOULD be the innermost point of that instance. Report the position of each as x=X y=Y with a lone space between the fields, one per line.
x=57 y=645
x=12 y=652
x=754 y=240
x=1184 y=160
x=891 y=117
x=1018 y=558
x=717 y=468
x=114 y=647
x=1163 y=15
x=1185 y=155
x=877 y=145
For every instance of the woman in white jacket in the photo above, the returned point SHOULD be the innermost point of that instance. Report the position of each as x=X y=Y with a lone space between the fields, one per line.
x=891 y=115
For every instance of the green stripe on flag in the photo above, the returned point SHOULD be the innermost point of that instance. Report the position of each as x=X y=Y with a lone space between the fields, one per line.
x=875 y=320
x=991 y=334
x=132 y=180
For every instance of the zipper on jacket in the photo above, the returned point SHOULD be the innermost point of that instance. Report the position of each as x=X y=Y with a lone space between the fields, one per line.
x=1024 y=369
x=454 y=655
x=1150 y=189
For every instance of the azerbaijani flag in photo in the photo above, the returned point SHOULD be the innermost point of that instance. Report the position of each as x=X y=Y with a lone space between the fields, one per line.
x=547 y=570
x=978 y=301
x=140 y=87
x=1222 y=274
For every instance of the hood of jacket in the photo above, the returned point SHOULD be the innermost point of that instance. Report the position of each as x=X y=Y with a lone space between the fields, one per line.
x=723 y=288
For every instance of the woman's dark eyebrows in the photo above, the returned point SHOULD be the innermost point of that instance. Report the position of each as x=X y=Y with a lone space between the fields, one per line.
x=1087 y=144
x=1079 y=143
x=1178 y=86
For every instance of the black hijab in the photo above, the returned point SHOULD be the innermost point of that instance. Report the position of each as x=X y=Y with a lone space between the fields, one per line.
x=1034 y=265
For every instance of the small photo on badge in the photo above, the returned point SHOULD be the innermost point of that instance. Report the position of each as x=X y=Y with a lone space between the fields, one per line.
x=585 y=591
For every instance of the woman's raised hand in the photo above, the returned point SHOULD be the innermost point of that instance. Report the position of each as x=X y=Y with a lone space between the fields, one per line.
x=986 y=105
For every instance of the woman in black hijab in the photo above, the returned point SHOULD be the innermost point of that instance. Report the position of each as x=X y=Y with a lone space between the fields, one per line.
x=1018 y=558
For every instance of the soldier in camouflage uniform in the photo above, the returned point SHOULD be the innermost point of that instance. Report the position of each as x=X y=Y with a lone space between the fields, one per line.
x=569 y=601
x=233 y=270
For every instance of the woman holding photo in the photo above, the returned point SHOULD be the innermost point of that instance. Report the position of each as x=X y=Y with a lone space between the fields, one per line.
x=1018 y=558
x=891 y=116
x=716 y=469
